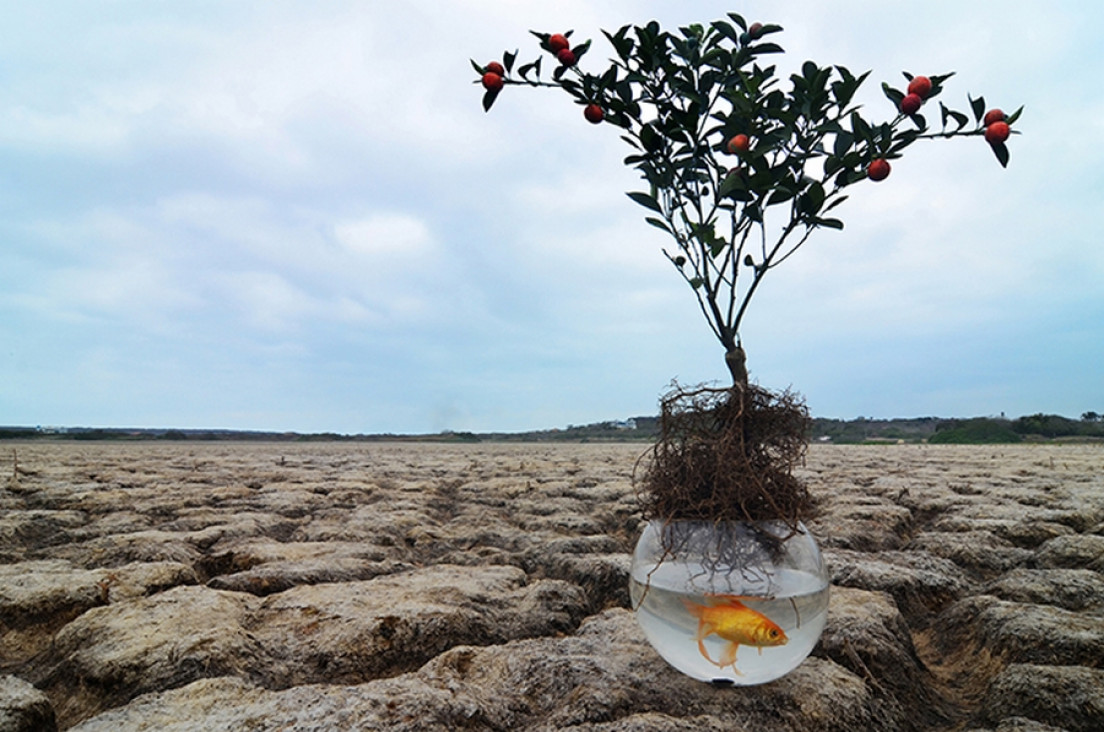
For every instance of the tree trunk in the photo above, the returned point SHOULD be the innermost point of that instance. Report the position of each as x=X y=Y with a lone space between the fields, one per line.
x=737 y=366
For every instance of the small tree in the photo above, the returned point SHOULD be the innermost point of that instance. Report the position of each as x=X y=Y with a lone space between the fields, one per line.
x=740 y=172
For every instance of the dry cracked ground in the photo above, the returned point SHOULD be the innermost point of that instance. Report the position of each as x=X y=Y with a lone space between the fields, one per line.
x=483 y=587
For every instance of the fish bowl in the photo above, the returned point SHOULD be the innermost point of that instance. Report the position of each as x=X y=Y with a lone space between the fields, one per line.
x=730 y=602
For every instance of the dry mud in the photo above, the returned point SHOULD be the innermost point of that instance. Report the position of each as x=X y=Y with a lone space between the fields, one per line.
x=214 y=586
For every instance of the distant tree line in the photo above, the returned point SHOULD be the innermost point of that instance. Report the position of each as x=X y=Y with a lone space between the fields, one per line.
x=978 y=430
x=1034 y=426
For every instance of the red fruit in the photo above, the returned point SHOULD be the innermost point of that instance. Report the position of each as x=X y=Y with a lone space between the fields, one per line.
x=878 y=169
x=921 y=86
x=993 y=115
x=755 y=31
x=557 y=42
x=492 y=81
x=494 y=67
x=739 y=144
x=911 y=103
x=997 y=132
x=593 y=113
x=566 y=56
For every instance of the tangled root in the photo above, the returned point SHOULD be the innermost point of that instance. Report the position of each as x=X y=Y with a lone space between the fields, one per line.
x=728 y=455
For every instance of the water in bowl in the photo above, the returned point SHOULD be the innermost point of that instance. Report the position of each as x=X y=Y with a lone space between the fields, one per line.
x=798 y=604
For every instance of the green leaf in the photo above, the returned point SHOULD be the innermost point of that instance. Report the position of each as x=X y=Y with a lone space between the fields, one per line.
x=734 y=186
x=1001 y=151
x=489 y=99
x=622 y=45
x=978 y=107
x=508 y=60
x=780 y=194
x=697 y=282
x=761 y=48
x=960 y=119
x=477 y=67
x=526 y=69
x=580 y=50
x=646 y=200
x=726 y=30
x=650 y=139
x=814 y=197
x=609 y=78
x=828 y=223
x=860 y=127
x=844 y=141
x=1014 y=116
x=893 y=95
x=659 y=224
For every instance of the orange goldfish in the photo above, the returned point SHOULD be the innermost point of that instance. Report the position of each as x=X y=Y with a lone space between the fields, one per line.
x=738 y=624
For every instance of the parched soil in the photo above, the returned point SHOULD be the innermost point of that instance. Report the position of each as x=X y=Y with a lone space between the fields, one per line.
x=333 y=586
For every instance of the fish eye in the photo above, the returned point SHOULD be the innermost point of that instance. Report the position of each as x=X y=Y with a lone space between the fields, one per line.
x=773 y=633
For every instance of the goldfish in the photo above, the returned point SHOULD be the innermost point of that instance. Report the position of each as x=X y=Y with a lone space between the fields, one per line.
x=732 y=620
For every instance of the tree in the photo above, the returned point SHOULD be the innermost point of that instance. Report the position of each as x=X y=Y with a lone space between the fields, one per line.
x=740 y=169
x=740 y=172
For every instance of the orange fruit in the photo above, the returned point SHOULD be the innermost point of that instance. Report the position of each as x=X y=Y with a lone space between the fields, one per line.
x=993 y=115
x=997 y=132
x=921 y=86
x=492 y=81
x=911 y=103
x=558 y=42
x=739 y=144
x=878 y=169
x=566 y=57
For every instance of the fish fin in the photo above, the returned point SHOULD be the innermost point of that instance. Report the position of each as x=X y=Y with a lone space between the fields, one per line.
x=693 y=608
x=701 y=649
x=729 y=657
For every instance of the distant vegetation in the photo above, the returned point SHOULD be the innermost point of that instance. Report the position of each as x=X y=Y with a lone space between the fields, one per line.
x=936 y=430
x=975 y=432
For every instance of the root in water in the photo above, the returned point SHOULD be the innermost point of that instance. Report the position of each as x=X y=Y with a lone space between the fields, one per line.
x=727 y=455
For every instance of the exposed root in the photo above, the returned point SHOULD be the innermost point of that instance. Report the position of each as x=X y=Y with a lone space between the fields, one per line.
x=728 y=455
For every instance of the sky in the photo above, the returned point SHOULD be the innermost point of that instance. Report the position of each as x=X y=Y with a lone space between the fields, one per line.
x=295 y=216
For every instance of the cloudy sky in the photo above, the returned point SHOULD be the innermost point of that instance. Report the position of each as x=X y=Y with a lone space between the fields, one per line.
x=296 y=216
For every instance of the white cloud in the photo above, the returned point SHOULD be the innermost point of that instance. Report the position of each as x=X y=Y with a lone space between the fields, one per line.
x=387 y=235
x=267 y=300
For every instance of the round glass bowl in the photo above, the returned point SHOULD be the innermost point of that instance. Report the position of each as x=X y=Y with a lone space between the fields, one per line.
x=738 y=603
